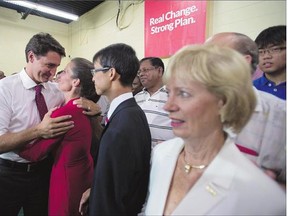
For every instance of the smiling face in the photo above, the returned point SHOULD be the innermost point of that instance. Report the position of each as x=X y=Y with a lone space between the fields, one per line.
x=149 y=76
x=65 y=80
x=193 y=110
x=42 y=68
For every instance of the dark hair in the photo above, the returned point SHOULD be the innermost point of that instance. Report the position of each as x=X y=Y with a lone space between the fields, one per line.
x=155 y=61
x=81 y=69
x=123 y=58
x=246 y=46
x=41 y=43
x=275 y=35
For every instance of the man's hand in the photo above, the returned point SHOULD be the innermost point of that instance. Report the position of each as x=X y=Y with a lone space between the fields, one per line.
x=90 y=108
x=83 y=207
x=48 y=128
x=52 y=127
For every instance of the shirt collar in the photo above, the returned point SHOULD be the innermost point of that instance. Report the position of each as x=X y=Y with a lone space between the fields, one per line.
x=116 y=101
x=28 y=83
x=258 y=107
x=162 y=89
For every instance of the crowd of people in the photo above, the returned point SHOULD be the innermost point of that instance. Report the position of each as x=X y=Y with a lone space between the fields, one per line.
x=123 y=136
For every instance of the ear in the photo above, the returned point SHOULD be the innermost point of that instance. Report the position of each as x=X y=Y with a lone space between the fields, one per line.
x=220 y=104
x=31 y=56
x=220 y=108
x=160 y=70
x=113 y=74
x=248 y=59
x=76 y=82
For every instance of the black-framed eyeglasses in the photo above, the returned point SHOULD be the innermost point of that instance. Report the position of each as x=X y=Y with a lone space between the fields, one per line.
x=93 y=71
x=271 y=51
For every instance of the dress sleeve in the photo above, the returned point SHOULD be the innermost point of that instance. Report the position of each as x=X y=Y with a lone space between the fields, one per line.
x=41 y=147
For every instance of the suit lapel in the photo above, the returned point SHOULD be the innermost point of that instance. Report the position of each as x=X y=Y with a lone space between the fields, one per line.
x=208 y=192
x=123 y=105
x=166 y=166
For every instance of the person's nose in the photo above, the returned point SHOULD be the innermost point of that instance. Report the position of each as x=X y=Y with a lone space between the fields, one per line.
x=170 y=104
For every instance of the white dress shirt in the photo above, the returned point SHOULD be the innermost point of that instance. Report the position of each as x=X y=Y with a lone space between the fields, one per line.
x=18 y=110
x=116 y=101
x=265 y=133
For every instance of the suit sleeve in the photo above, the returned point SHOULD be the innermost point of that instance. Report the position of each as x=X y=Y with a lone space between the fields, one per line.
x=115 y=172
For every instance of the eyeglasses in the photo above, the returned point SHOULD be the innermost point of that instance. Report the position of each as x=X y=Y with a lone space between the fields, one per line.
x=271 y=51
x=93 y=71
x=145 y=70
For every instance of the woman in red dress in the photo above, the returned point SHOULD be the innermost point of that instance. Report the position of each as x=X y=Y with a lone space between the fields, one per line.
x=72 y=170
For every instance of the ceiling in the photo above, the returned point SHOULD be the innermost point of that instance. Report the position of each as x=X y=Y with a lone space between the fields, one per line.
x=71 y=6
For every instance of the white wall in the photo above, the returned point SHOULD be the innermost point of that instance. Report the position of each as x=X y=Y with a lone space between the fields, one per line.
x=15 y=34
x=247 y=17
x=97 y=28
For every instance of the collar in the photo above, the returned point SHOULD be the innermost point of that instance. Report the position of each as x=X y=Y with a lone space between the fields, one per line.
x=162 y=89
x=258 y=107
x=116 y=101
x=28 y=83
x=264 y=81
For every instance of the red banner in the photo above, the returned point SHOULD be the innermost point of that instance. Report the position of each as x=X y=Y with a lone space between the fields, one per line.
x=170 y=25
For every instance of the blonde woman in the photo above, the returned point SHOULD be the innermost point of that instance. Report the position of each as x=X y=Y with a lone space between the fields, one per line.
x=201 y=172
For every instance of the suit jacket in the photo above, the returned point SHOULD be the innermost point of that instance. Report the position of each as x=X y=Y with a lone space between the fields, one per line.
x=72 y=170
x=121 y=174
x=230 y=185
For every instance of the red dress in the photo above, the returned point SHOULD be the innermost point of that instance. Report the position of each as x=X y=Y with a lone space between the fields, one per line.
x=72 y=170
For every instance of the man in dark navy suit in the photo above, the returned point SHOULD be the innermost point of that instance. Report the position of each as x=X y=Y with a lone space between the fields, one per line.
x=122 y=169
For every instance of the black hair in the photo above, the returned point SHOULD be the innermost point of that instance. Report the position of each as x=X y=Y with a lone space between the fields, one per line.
x=275 y=35
x=123 y=58
x=41 y=43
x=155 y=62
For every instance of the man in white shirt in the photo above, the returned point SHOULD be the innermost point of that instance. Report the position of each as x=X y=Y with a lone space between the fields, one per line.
x=24 y=184
x=263 y=139
x=152 y=99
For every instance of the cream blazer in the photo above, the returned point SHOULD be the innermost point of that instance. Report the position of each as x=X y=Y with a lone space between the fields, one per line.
x=230 y=185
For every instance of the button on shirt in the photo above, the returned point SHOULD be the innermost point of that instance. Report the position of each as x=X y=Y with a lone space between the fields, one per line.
x=18 y=110
x=158 y=119
x=263 y=84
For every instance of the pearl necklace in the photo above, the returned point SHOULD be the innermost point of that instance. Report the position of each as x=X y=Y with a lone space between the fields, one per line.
x=188 y=167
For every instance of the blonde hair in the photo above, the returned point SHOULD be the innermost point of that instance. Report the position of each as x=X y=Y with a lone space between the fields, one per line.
x=224 y=72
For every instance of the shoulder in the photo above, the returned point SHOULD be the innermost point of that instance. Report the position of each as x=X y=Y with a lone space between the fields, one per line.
x=271 y=102
x=169 y=146
x=248 y=175
x=11 y=83
x=140 y=96
x=256 y=81
x=52 y=87
x=68 y=109
x=127 y=109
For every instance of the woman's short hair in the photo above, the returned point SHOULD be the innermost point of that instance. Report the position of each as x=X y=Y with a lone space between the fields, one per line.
x=224 y=72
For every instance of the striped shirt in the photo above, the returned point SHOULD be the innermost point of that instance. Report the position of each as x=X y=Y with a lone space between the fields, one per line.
x=157 y=117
